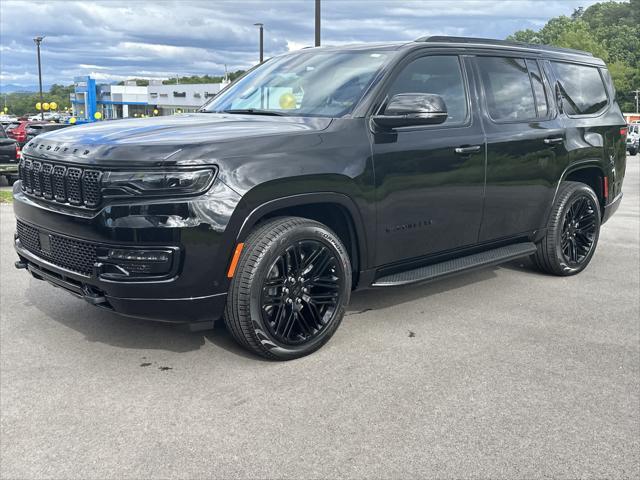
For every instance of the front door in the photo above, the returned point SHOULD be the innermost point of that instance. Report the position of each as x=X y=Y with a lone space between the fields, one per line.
x=430 y=179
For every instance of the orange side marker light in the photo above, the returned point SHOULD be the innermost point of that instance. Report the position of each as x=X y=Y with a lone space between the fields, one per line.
x=234 y=260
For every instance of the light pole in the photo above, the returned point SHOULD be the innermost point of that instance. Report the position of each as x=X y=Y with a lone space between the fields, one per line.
x=261 y=25
x=317 y=23
x=38 y=40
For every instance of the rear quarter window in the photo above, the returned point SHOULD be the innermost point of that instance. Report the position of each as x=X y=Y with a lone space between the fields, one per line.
x=583 y=91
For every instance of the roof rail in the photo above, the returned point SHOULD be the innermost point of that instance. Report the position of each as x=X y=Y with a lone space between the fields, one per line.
x=504 y=43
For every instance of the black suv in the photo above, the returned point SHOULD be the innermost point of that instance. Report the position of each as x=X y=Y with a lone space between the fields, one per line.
x=326 y=170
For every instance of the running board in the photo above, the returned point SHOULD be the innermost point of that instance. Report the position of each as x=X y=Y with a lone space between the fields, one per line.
x=457 y=265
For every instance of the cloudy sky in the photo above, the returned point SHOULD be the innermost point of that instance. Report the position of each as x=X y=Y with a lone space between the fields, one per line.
x=113 y=40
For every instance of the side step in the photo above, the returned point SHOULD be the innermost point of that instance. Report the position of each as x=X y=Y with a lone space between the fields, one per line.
x=457 y=265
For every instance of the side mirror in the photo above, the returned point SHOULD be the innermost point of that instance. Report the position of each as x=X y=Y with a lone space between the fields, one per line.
x=408 y=109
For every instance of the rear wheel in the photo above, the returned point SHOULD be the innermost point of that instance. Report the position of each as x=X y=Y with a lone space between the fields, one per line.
x=288 y=294
x=572 y=231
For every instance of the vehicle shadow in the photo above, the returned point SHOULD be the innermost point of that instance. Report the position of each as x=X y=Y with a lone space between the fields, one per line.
x=102 y=326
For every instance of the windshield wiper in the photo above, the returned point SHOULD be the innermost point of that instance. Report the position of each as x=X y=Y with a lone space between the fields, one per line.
x=254 y=111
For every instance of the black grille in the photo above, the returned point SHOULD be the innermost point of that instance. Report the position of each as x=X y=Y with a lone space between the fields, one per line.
x=75 y=255
x=75 y=186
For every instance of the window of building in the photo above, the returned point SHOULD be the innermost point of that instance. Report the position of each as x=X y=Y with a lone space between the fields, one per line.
x=583 y=91
x=438 y=74
x=507 y=88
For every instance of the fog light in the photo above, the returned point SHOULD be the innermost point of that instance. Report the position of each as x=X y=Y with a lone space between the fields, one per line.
x=140 y=255
x=141 y=262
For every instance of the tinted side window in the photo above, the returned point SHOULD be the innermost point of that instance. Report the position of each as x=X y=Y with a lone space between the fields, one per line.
x=507 y=88
x=435 y=74
x=582 y=88
x=538 y=87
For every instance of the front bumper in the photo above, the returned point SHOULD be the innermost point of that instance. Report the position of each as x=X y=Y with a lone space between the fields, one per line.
x=193 y=292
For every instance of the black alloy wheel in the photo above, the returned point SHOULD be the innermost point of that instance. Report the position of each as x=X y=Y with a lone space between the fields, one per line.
x=572 y=231
x=290 y=289
x=579 y=230
x=301 y=292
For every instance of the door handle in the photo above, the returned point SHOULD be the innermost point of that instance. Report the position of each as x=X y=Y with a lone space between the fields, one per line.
x=467 y=150
x=553 y=140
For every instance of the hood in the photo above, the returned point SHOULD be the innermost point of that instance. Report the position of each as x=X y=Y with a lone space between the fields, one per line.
x=140 y=141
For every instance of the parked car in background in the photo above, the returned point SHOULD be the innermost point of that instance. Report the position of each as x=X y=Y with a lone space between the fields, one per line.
x=7 y=119
x=633 y=138
x=18 y=130
x=35 y=129
x=46 y=116
x=9 y=157
x=326 y=170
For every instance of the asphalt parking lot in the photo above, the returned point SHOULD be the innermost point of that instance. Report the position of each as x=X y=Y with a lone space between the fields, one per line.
x=501 y=373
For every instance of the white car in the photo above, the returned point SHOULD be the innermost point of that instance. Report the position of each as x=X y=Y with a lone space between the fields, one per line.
x=633 y=138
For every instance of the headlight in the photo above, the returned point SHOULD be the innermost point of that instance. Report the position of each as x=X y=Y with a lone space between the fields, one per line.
x=161 y=183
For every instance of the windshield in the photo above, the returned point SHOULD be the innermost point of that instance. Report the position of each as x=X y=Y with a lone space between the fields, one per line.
x=326 y=84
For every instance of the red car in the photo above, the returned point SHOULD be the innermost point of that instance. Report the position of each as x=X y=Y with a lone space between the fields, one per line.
x=18 y=130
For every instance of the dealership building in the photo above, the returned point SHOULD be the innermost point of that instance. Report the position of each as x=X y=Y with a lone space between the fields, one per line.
x=131 y=100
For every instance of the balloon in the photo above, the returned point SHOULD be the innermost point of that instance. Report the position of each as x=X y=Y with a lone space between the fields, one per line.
x=287 y=101
x=155 y=111
x=53 y=105
x=135 y=114
x=81 y=112
x=38 y=106
x=45 y=106
x=72 y=120
x=6 y=109
x=97 y=115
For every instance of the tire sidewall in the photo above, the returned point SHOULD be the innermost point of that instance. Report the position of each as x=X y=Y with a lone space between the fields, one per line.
x=301 y=232
x=567 y=269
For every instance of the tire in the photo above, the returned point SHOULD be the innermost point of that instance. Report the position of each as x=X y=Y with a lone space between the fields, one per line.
x=11 y=180
x=290 y=288
x=633 y=151
x=572 y=231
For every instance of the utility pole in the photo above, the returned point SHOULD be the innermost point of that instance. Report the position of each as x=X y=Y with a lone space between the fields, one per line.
x=38 y=41
x=261 y=40
x=637 y=92
x=317 y=23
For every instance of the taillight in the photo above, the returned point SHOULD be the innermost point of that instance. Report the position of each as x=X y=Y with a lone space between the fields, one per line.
x=18 y=152
x=623 y=131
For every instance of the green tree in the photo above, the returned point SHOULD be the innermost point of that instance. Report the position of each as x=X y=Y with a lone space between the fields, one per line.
x=610 y=30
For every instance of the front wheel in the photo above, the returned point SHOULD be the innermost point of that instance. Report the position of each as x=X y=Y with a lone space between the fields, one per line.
x=291 y=285
x=572 y=231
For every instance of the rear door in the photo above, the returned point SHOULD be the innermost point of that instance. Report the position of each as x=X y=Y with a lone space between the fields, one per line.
x=526 y=151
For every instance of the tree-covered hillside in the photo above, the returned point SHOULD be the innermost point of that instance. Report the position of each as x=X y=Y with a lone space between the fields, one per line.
x=610 y=30
x=20 y=103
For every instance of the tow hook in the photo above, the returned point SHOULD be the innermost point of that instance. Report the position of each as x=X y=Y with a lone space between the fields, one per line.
x=20 y=265
x=93 y=298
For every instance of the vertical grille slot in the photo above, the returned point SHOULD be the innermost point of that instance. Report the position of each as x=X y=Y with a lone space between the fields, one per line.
x=36 y=168
x=74 y=191
x=47 y=187
x=59 y=192
x=28 y=176
x=91 y=187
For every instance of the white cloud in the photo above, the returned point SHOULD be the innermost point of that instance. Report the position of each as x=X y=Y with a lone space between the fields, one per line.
x=115 y=39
